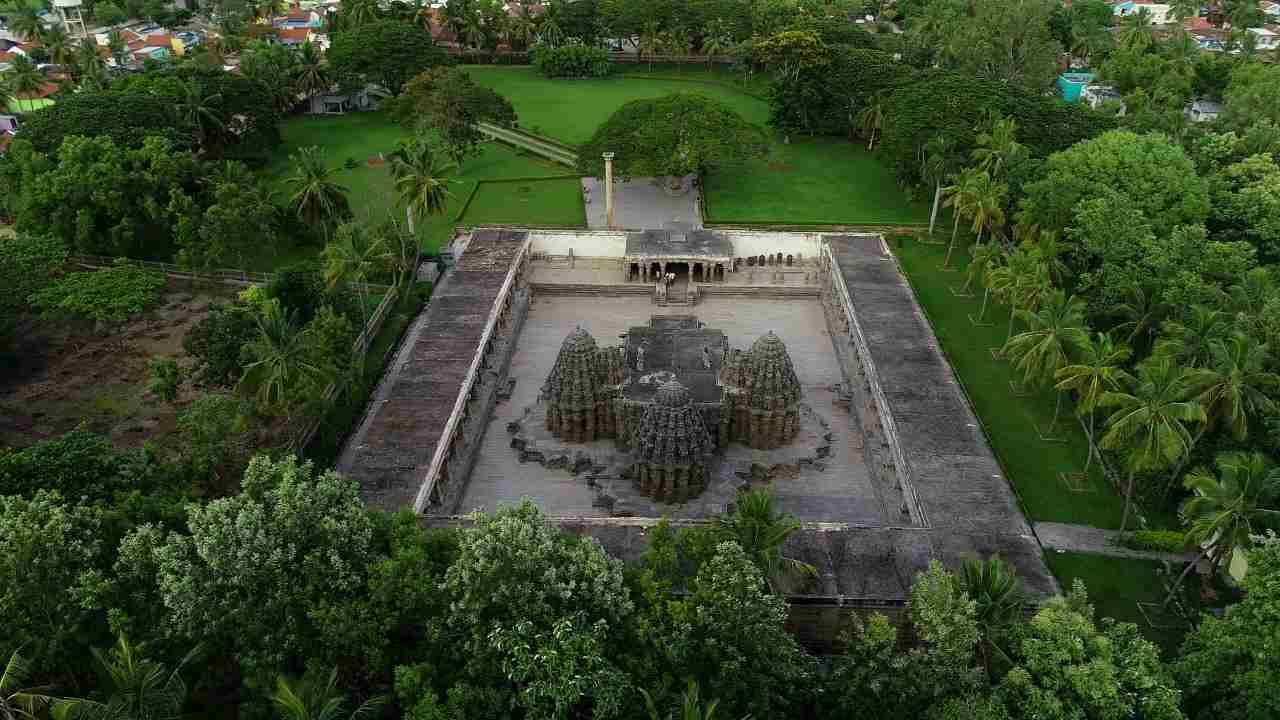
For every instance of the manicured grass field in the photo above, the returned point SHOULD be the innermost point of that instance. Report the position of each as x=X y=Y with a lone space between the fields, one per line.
x=820 y=180
x=571 y=110
x=824 y=180
x=1011 y=421
x=1116 y=586
x=367 y=136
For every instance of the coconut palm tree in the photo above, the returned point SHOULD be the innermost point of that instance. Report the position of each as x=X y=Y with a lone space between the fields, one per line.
x=983 y=259
x=762 y=531
x=523 y=28
x=352 y=257
x=17 y=700
x=27 y=24
x=1143 y=311
x=119 y=49
x=1224 y=511
x=201 y=112
x=136 y=687
x=691 y=706
x=1150 y=422
x=649 y=41
x=1136 y=30
x=316 y=197
x=1054 y=332
x=987 y=205
x=1187 y=341
x=59 y=46
x=278 y=360
x=1236 y=383
x=717 y=43
x=998 y=598
x=1020 y=282
x=871 y=119
x=549 y=29
x=23 y=76
x=1049 y=249
x=88 y=63
x=960 y=198
x=1099 y=370
x=316 y=696
x=998 y=147
x=937 y=158
x=419 y=179
x=311 y=76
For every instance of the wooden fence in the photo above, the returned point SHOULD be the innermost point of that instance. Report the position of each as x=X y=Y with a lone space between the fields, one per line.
x=231 y=276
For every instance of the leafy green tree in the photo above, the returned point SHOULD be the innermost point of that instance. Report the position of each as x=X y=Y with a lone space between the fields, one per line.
x=110 y=295
x=166 y=378
x=675 y=135
x=216 y=342
x=762 y=530
x=420 y=181
x=1248 y=95
x=268 y=575
x=1230 y=665
x=1068 y=667
x=448 y=102
x=728 y=634
x=29 y=263
x=212 y=428
x=1246 y=204
x=1098 y=370
x=17 y=701
x=316 y=197
x=691 y=706
x=276 y=68
x=107 y=13
x=536 y=609
x=1148 y=173
x=315 y=696
x=1054 y=332
x=1149 y=425
x=49 y=561
x=386 y=52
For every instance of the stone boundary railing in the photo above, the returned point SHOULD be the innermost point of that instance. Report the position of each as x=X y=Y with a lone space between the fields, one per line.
x=872 y=377
x=451 y=428
x=229 y=276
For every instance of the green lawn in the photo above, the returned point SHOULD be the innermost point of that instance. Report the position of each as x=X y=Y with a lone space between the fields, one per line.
x=365 y=136
x=1117 y=585
x=1011 y=421
x=821 y=180
x=571 y=110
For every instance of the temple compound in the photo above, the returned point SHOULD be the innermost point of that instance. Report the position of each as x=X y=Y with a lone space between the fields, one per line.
x=616 y=378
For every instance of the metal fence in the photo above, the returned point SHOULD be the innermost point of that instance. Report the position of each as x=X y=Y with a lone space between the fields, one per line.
x=223 y=275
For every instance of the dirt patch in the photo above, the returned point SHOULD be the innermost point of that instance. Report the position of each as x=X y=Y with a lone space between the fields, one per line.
x=71 y=378
x=781 y=167
x=375 y=161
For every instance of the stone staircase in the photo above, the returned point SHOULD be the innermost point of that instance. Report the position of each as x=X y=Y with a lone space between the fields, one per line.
x=763 y=291
x=543 y=147
x=591 y=289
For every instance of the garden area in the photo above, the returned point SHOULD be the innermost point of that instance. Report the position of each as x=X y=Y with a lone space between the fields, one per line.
x=1047 y=475
x=810 y=180
x=356 y=144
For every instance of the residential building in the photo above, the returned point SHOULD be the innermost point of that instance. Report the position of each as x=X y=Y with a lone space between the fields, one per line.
x=1203 y=111
x=1159 y=12
x=1265 y=39
x=1096 y=95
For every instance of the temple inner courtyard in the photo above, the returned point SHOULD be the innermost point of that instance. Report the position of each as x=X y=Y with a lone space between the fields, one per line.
x=814 y=484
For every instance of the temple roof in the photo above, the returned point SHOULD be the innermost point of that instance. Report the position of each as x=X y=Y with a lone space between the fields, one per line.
x=666 y=244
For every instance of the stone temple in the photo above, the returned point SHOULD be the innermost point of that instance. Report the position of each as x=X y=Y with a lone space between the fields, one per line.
x=616 y=378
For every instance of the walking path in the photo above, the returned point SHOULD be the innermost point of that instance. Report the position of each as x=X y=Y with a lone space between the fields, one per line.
x=1096 y=541
x=543 y=147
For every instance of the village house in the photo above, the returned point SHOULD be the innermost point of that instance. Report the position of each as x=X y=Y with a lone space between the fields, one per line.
x=1203 y=111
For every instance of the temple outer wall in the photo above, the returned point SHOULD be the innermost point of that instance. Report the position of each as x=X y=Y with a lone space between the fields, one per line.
x=859 y=366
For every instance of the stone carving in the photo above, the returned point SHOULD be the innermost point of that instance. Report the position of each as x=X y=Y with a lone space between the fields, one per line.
x=580 y=390
x=670 y=447
x=761 y=396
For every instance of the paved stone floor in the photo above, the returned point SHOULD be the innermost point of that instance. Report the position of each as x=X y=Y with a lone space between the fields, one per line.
x=841 y=492
x=1095 y=541
x=642 y=204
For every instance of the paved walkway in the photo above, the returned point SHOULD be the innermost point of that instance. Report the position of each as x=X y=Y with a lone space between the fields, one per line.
x=1095 y=541
x=642 y=204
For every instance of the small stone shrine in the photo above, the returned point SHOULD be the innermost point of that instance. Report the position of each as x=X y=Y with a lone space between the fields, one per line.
x=671 y=447
x=760 y=405
x=581 y=389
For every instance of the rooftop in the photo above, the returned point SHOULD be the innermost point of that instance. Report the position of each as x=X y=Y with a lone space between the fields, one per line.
x=669 y=244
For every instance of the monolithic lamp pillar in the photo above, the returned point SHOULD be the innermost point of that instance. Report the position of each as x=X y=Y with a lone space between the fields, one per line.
x=608 y=187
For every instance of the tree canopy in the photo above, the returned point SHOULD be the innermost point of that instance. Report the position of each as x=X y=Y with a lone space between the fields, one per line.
x=386 y=52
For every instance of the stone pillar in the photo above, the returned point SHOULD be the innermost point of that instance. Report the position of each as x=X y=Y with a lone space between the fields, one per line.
x=608 y=187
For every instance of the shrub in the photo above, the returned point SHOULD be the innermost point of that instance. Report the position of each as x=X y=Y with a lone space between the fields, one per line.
x=216 y=341
x=166 y=378
x=112 y=295
x=570 y=61
x=1169 y=541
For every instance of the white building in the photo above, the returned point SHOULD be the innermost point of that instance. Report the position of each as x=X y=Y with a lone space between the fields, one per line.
x=1202 y=111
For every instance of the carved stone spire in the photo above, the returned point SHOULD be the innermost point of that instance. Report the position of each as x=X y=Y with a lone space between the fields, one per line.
x=670 y=447
x=579 y=391
x=762 y=396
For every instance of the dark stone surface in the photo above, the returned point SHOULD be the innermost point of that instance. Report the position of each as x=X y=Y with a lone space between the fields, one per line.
x=663 y=244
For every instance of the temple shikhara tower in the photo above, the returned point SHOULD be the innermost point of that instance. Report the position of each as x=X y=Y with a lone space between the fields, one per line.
x=760 y=406
x=581 y=389
x=670 y=447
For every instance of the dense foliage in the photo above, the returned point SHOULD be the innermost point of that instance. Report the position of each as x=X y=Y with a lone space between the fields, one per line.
x=111 y=295
x=676 y=135
x=446 y=102
x=572 y=61
x=386 y=52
